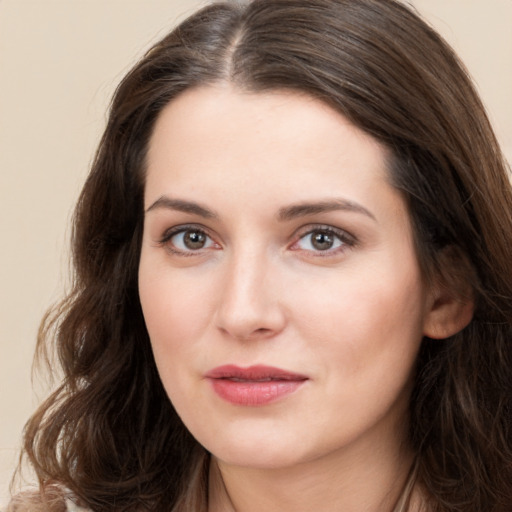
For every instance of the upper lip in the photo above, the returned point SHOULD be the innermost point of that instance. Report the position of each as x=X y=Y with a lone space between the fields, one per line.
x=253 y=373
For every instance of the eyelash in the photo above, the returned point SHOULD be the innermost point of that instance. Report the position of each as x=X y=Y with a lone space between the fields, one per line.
x=170 y=233
x=345 y=240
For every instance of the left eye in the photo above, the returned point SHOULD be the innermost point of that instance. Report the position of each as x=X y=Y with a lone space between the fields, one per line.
x=320 y=240
x=190 y=240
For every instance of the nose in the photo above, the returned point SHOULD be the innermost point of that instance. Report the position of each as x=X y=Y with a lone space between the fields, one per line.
x=250 y=302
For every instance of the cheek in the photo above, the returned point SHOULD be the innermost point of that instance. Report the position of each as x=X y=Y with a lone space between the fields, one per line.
x=177 y=312
x=365 y=340
x=364 y=319
x=169 y=319
x=173 y=301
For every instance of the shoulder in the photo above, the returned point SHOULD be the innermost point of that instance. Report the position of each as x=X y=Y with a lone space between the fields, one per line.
x=31 y=501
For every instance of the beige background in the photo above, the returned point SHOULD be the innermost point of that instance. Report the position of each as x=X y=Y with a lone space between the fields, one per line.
x=59 y=63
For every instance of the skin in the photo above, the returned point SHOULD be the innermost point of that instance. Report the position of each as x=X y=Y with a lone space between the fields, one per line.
x=350 y=318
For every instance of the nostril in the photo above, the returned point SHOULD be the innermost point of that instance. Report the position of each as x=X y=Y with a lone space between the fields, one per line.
x=249 y=335
x=262 y=332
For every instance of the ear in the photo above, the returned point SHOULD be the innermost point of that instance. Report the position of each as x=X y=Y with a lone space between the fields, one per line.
x=450 y=302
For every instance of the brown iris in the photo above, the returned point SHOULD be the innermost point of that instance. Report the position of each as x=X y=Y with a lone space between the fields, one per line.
x=194 y=239
x=321 y=240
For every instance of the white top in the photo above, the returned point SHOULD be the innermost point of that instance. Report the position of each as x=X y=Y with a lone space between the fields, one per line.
x=71 y=507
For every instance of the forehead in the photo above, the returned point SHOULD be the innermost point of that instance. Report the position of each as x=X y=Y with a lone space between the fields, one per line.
x=233 y=138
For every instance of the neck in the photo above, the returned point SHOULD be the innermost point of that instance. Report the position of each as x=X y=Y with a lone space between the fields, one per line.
x=348 y=482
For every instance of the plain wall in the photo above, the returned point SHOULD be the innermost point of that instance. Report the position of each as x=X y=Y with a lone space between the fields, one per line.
x=59 y=63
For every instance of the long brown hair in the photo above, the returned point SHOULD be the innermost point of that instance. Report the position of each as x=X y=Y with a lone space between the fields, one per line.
x=109 y=434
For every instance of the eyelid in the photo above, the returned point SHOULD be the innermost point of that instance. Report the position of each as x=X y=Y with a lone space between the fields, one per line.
x=175 y=230
x=348 y=240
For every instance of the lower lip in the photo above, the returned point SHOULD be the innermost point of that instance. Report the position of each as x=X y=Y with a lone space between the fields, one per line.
x=252 y=393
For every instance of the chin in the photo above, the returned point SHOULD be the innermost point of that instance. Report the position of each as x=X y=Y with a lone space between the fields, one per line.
x=261 y=450
x=269 y=458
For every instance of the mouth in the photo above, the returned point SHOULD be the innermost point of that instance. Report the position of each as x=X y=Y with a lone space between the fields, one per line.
x=255 y=385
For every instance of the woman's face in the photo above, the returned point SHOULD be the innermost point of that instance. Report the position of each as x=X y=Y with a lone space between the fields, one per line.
x=278 y=278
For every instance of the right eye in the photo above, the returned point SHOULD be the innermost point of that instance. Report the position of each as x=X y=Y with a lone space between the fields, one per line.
x=187 y=241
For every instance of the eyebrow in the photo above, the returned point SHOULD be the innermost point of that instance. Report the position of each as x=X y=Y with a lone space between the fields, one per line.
x=286 y=213
x=182 y=206
x=304 y=209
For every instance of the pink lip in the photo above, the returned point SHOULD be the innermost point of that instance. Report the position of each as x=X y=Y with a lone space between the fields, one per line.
x=255 y=385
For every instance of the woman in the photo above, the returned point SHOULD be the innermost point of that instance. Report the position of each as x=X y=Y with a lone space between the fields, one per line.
x=293 y=286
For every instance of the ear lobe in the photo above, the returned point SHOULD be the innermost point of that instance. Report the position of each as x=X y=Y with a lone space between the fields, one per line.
x=451 y=303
